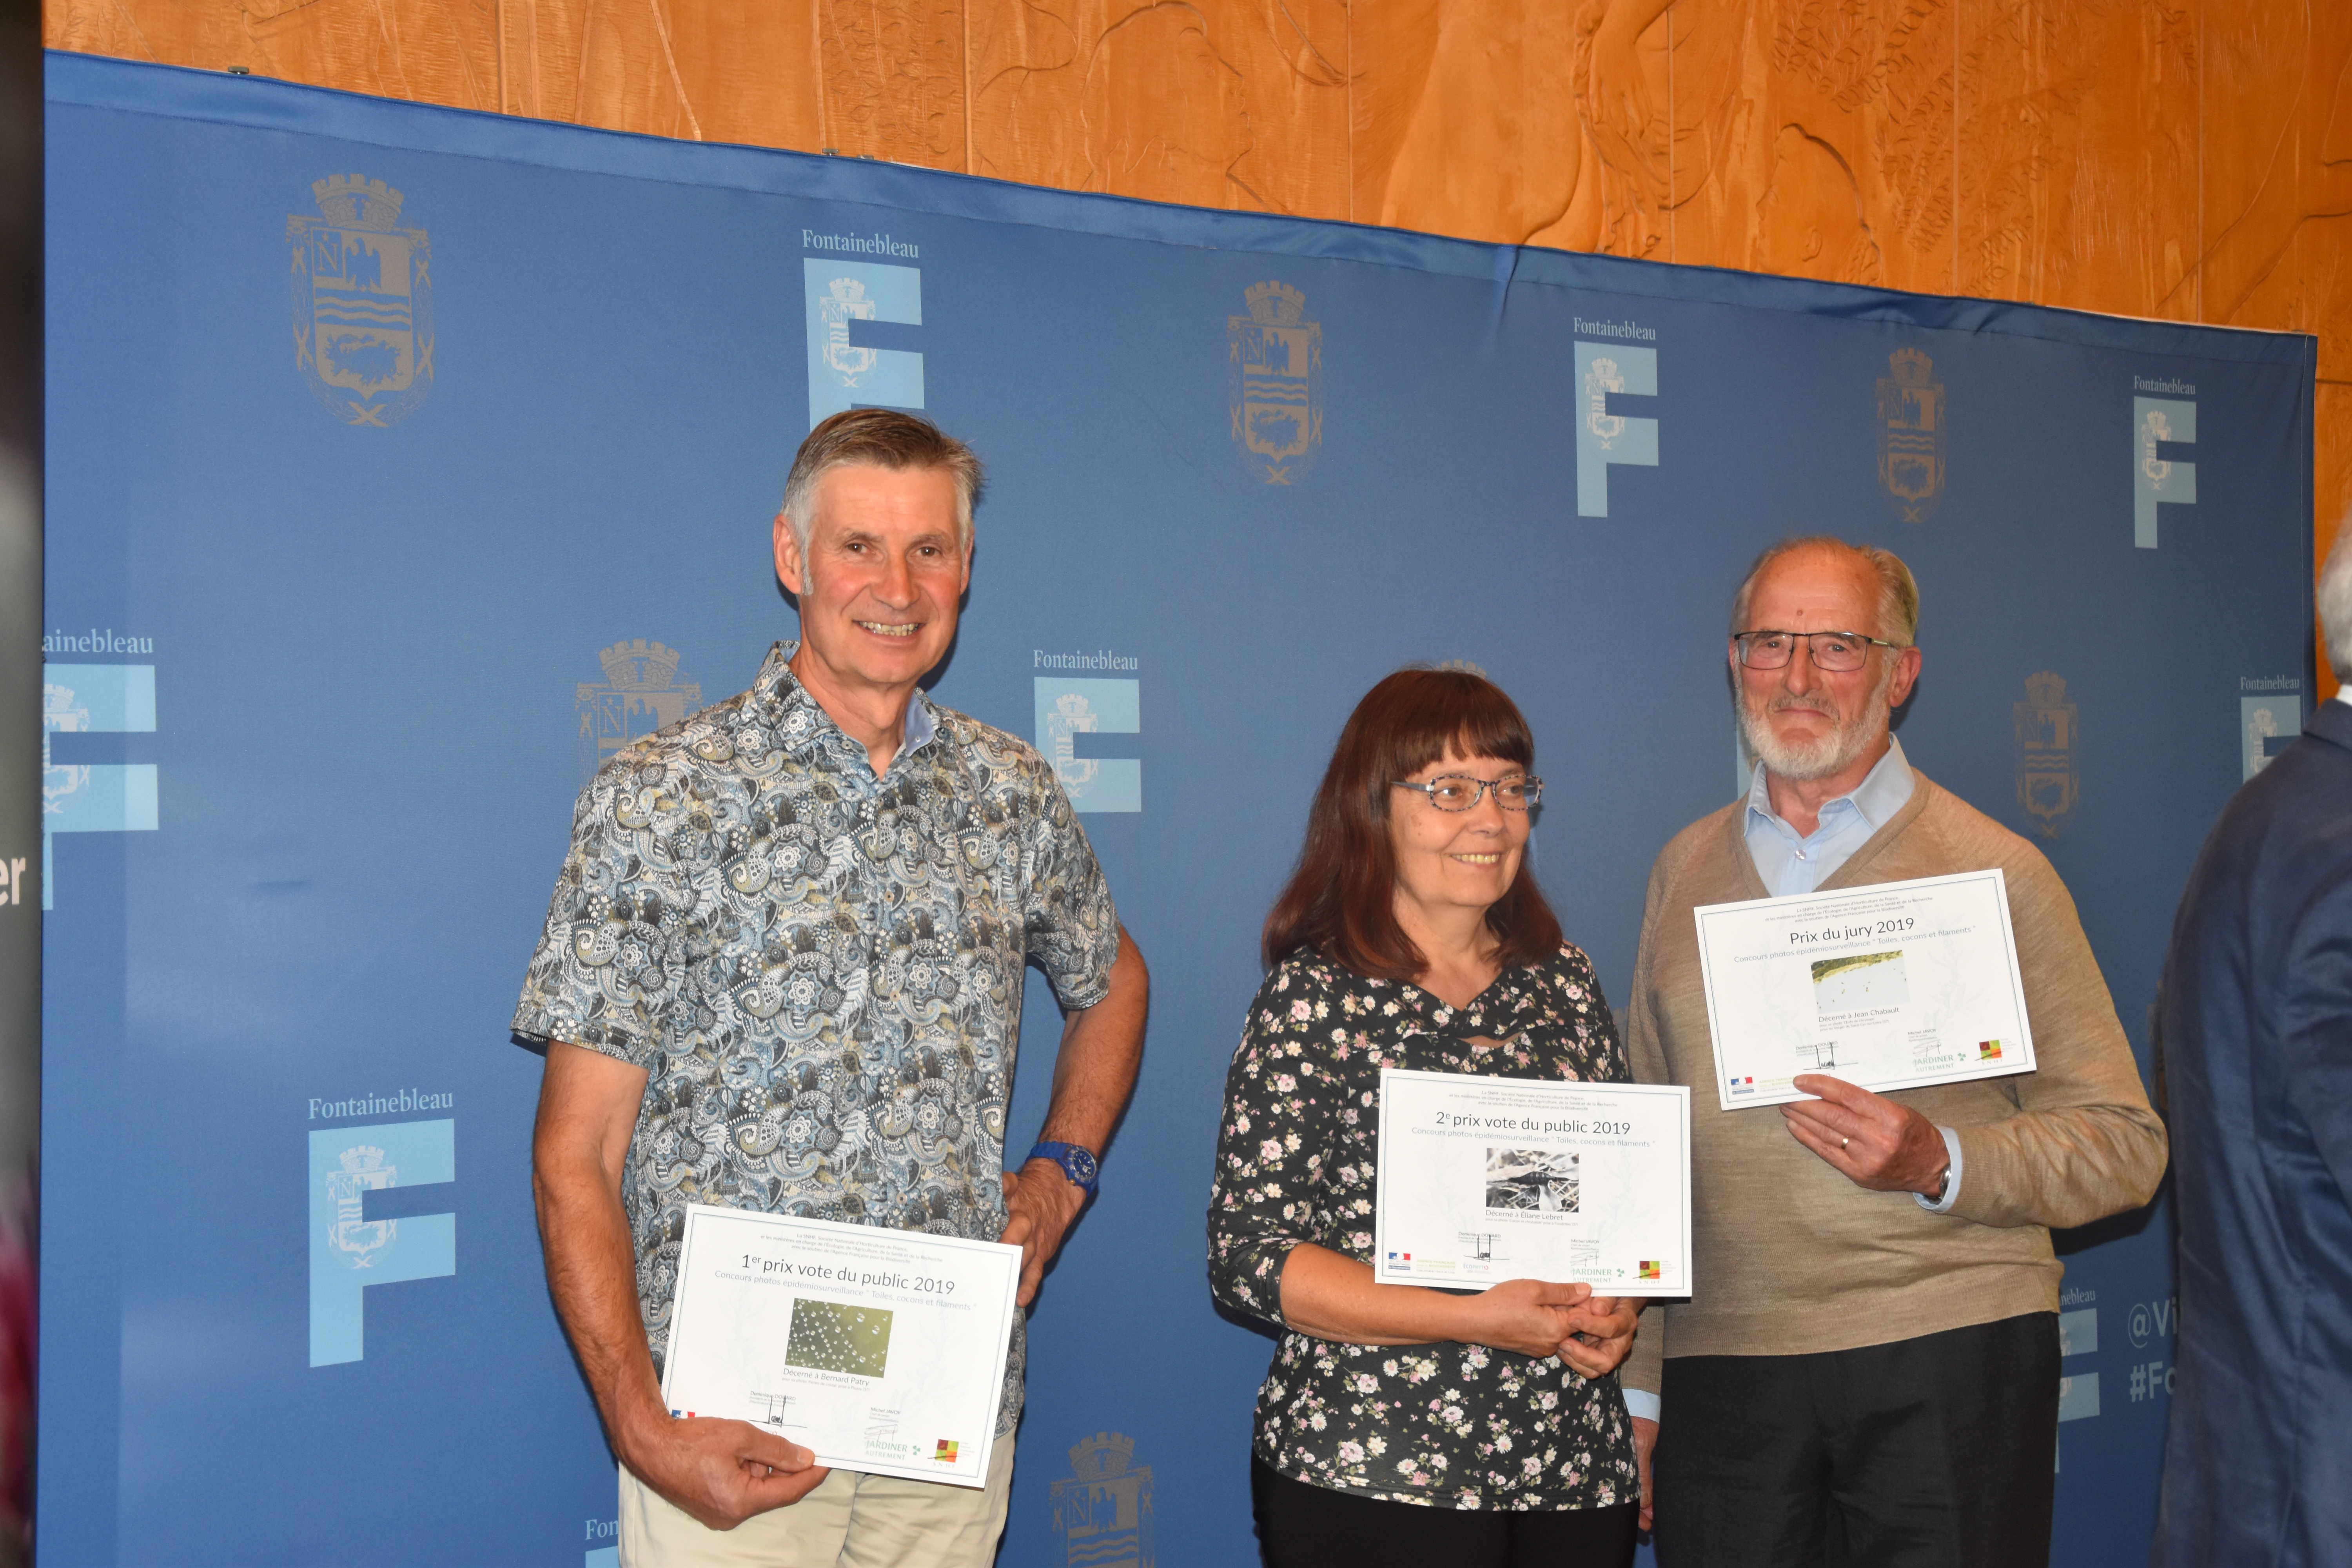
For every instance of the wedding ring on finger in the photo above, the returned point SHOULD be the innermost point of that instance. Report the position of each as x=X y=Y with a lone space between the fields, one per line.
x=1843 y=1142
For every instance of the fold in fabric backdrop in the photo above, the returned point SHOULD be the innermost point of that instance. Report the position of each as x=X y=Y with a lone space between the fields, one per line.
x=405 y=463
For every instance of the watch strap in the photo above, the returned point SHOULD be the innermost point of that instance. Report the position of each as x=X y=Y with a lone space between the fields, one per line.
x=1077 y=1162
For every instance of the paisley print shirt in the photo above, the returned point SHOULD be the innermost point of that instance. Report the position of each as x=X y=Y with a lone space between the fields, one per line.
x=1450 y=1426
x=819 y=971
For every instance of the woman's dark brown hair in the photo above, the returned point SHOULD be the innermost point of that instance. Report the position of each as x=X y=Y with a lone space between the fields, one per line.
x=1340 y=899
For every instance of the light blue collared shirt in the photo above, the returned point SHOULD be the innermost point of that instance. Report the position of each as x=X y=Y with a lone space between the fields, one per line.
x=920 y=725
x=1790 y=863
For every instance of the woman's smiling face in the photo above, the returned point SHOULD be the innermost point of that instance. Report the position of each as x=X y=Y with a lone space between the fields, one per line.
x=1466 y=859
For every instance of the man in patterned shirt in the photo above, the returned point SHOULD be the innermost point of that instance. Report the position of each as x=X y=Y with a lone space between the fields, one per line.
x=782 y=970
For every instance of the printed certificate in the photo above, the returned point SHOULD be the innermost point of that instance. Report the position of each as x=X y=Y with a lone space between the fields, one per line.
x=1487 y=1179
x=881 y=1349
x=1893 y=986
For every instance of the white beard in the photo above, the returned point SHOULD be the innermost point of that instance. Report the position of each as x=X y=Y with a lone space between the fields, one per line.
x=1850 y=735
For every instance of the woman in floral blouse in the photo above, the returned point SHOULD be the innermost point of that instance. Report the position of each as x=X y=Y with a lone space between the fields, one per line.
x=1398 y=1423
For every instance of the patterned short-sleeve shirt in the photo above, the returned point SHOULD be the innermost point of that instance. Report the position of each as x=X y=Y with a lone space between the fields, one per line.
x=819 y=971
x=1449 y=1425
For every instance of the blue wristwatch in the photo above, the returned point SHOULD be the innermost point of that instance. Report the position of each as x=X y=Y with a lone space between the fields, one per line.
x=1076 y=1164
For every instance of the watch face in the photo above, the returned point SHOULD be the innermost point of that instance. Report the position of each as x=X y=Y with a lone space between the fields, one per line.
x=1081 y=1164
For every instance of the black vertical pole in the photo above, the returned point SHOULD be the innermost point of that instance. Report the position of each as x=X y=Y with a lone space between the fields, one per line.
x=20 y=755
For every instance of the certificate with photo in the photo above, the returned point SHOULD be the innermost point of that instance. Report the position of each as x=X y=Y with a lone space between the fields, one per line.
x=883 y=1350
x=1487 y=1179
x=1893 y=986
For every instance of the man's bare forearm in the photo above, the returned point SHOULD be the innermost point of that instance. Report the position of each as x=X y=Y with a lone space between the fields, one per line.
x=1102 y=1050
x=592 y=1274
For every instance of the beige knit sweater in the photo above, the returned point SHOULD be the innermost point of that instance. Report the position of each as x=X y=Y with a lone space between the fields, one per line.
x=1791 y=1258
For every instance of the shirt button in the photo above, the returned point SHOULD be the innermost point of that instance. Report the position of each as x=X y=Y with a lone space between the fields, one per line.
x=1801 y=854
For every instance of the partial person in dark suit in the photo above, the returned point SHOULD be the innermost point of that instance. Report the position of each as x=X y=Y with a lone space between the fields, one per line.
x=2256 y=1031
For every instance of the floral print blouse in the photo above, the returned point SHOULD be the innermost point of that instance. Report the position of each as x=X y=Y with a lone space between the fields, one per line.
x=1447 y=1424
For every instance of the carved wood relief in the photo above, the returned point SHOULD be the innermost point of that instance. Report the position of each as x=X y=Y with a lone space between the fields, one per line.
x=2187 y=159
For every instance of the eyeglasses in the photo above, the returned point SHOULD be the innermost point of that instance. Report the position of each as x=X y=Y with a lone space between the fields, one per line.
x=1460 y=792
x=1833 y=651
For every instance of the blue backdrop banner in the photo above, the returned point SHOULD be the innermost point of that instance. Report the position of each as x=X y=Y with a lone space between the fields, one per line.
x=405 y=463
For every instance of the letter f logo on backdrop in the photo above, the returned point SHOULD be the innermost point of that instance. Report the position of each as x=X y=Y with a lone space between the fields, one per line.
x=842 y=375
x=93 y=797
x=349 y=1251
x=1068 y=708
x=1603 y=438
x=2156 y=421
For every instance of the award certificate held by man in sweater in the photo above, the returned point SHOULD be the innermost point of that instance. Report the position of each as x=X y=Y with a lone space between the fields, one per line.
x=1893 y=986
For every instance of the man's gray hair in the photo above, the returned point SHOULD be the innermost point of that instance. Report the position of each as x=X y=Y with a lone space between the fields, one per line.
x=1898 y=592
x=2334 y=600
x=879 y=438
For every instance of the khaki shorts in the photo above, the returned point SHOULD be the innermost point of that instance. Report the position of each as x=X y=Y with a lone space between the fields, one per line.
x=851 y=1520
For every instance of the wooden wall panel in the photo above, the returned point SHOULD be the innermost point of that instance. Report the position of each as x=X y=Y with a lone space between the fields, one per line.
x=712 y=71
x=2189 y=158
x=1837 y=157
x=2078 y=149
x=1487 y=141
x=1218 y=103
x=2279 y=193
x=890 y=74
x=440 y=51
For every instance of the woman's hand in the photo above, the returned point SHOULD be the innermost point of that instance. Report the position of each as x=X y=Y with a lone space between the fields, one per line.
x=1528 y=1316
x=1601 y=1334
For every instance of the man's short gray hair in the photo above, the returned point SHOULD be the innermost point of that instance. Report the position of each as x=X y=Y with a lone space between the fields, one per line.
x=1898 y=591
x=2334 y=600
x=879 y=438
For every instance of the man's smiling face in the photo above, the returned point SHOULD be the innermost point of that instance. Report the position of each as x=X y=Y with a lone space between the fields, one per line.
x=883 y=574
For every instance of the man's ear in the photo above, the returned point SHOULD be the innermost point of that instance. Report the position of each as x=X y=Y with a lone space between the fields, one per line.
x=791 y=569
x=1907 y=674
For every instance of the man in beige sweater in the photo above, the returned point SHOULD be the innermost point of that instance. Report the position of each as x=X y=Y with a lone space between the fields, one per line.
x=1867 y=1370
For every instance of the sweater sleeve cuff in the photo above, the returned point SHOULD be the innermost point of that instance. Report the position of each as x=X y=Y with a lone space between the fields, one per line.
x=1952 y=1184
x=1641 y=1403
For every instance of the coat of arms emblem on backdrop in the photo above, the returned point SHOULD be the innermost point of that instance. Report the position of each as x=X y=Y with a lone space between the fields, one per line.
x=2047 y=783
x=357 y=1239
x=362 y=301
x=1911 y=434
x=845 y=302
x=1102 y=1508
x=1275 y=359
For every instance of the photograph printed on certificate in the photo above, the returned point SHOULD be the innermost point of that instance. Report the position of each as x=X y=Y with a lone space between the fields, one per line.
x=881 y=1349
x=1890 y=986
x=1482 y=1179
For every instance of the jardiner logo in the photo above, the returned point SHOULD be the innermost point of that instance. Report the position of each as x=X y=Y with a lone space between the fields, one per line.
x=362 y=292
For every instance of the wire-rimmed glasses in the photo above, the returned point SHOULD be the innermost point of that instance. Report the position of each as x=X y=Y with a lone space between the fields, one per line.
x=1461 y=791
x=1833 y=651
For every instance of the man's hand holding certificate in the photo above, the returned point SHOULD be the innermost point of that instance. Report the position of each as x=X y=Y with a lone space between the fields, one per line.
x=1892 y=985
x=883 y=1350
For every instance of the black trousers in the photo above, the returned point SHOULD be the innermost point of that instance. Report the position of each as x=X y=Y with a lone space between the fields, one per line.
x=1303 y=1526
x=1935 y=1452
